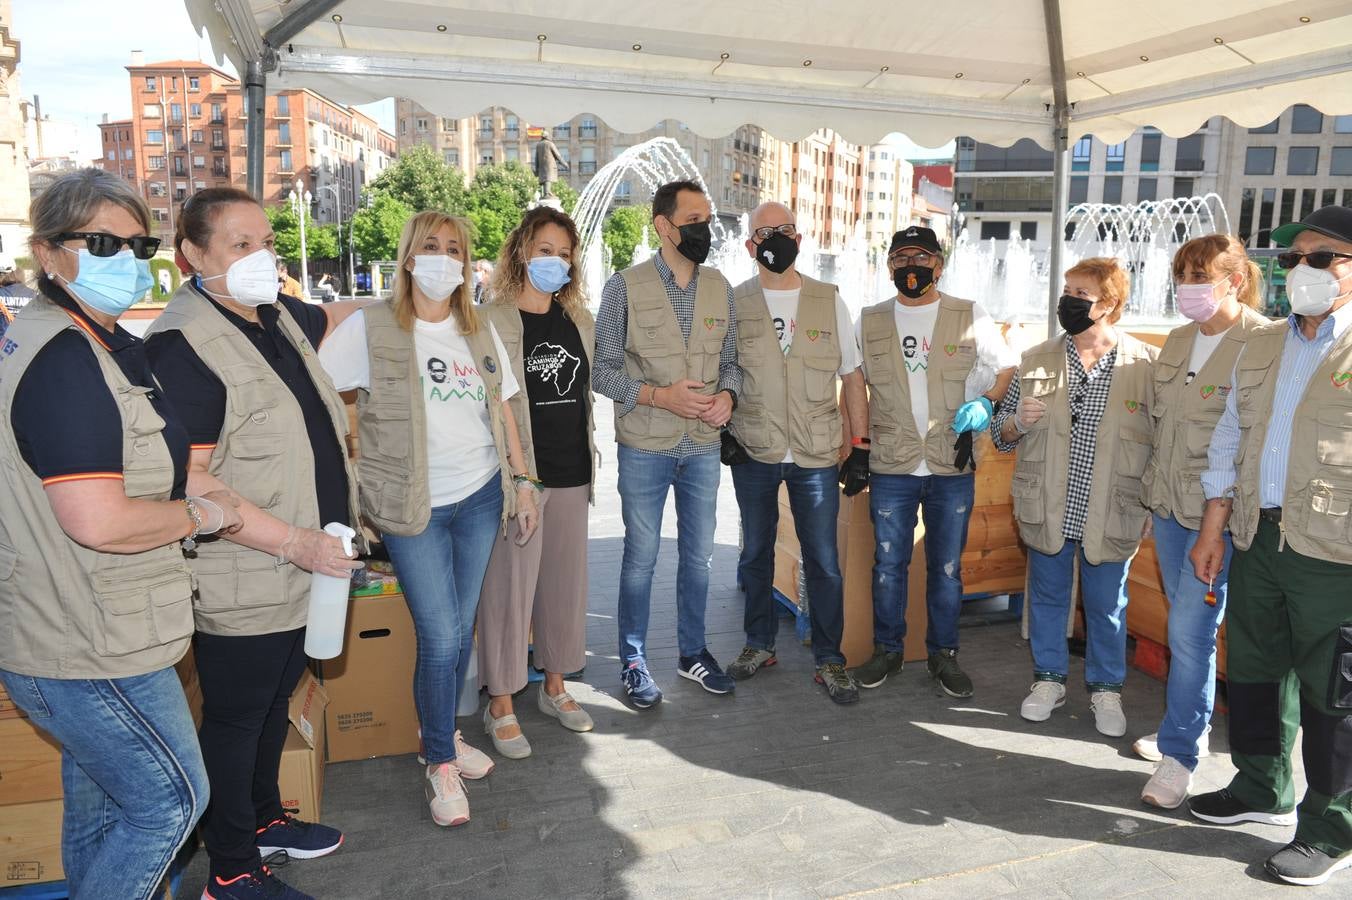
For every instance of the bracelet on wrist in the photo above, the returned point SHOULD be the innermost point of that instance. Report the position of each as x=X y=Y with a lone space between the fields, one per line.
x=861 y=442
x=523 y=479
x=194 y=525
x=652 y=396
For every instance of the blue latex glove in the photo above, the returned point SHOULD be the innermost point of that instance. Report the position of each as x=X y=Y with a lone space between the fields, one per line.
x=974 y=415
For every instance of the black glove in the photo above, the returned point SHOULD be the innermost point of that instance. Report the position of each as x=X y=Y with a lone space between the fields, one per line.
x=854 y=471
x=963 y=455
x=731 y=453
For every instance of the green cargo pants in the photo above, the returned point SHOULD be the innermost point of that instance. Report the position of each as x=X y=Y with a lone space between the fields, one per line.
x=1289 y=665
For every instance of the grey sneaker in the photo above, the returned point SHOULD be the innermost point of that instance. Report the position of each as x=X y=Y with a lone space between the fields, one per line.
x=874 y=672
x=750 y=661
x=840 y=687
x=1300 y=863
x=943 y=668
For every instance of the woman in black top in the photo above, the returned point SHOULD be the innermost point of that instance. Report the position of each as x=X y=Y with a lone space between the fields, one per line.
x=539 y=311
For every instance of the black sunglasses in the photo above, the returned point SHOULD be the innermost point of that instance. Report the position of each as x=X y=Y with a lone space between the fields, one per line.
x=1319 y=259
x=100 y=243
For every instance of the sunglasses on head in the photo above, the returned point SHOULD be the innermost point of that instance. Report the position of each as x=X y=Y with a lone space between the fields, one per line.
x=100 y=243
x=1319 y=259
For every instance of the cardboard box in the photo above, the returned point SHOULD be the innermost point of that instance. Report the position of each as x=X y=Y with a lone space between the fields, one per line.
x=30 y=843
x=301 y=776
x=30 y=763
x=8 y=709
x=370 y=686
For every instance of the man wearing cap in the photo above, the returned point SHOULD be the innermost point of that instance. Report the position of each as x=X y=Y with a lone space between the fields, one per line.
x=935 y=367
x=795 y=344
x=1280 y=475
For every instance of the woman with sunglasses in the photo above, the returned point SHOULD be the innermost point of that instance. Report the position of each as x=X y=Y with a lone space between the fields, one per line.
x=540 y=311
x=1079 y=413
x=1218 y=289
x=238 y=361
x=441 y=470
x=95 y=597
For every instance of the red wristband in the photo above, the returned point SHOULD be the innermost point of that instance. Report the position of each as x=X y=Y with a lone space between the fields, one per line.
x=860 y=442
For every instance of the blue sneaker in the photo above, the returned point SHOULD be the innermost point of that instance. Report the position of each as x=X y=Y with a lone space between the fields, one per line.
x=639 y=685
x=297 y=839
x=705 y=670
x=260 y=884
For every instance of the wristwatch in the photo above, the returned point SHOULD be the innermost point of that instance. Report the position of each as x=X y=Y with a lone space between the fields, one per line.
x=733 y=395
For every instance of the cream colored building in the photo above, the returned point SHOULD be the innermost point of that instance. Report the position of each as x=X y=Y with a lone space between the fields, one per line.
x=14 y=191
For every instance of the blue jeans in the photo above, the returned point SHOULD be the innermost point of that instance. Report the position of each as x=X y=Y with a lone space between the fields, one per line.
x=644 y=479
x=815 y=502
x=1103 y=591
x=441 y=571
x=1191 y=691
x=945 y=501
x=131 y=771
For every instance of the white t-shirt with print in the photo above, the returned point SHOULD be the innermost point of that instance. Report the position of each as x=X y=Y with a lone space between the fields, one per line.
x=461 y=455
x=915 y=333
x=784 y=311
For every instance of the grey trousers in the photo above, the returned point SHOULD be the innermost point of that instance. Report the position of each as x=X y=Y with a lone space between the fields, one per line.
x=541 y=587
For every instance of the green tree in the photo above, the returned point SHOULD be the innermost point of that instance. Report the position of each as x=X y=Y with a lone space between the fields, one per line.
x=567 y=196
x=320 y=241
x=421 y=180
x=498 y=197
x=622 y=231
x=376 y=228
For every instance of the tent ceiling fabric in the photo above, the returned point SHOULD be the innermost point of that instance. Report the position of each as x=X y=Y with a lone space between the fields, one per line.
x=969 y=67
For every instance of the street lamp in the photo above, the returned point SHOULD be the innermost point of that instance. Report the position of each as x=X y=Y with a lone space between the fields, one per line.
x=302 y=199
x=351 y=256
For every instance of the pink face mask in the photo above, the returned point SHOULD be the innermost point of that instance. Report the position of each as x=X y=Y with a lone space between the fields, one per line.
x=1198 y=301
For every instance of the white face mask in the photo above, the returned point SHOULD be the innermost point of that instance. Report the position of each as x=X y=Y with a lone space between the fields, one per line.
x=438 y=275
x=251 y=280
x=1310 y=290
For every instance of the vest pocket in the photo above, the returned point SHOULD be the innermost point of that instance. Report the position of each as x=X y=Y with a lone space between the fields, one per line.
x=1334 y=438
x=1126 y=514
x=9 y=557
x=1133 y=453
x=955 y=389
x=712 y=353
x=392 y=434
x=1026 y=490
x=139 y=618
x=237 y=579
x=826 y=434
x=819 y=379
x=1330 y=510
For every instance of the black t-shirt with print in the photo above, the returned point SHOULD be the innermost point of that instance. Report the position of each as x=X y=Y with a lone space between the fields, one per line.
x=557 y=378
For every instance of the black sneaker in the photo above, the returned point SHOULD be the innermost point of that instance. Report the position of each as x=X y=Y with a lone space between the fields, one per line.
x=840 y=687
x=260 y=884
x=874 y=672
x=1299 y=863
x=943 y=668
x=750 y=661
x=297 y=839
x=704 y=670
x=1224 y=808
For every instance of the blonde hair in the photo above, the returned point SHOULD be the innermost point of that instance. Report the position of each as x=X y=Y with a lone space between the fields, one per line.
x=509 y=275
x=1113 y=285
x=1222 y=254
x=417 y=230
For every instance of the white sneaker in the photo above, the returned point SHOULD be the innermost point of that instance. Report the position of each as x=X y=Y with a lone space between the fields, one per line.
x=1148 y=747
x=1042 y=698
x=473 y=763
x=446 y=795
x=1169 y=786
x=1108 y=716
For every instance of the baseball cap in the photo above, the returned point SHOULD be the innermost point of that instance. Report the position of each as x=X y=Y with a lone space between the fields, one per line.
x=1331 y=221
x=917 y=236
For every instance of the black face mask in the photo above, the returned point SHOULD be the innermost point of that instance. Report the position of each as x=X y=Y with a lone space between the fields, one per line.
x=913 y=281
x=1073 y=314
x=696 y=239
x=777 y=252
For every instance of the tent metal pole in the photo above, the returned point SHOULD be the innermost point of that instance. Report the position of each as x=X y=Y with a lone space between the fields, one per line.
x=1056 y=57
x=255 y=100
x=300 y=18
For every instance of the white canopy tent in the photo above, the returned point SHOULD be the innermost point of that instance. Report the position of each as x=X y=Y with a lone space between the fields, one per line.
x=995 y=70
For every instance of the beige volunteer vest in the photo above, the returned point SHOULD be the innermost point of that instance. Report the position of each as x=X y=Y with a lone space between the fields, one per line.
x=1186 y=414
x=655 y=353
x=1317 y=498
x=789 y=400
x=897 y=447
x=264 y=455
x=392 y=425
x=506 y=318
x=1116 y=513
x=67 y=611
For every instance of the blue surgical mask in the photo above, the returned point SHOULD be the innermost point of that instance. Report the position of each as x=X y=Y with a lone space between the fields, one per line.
x=110 y=284
x=548 y=273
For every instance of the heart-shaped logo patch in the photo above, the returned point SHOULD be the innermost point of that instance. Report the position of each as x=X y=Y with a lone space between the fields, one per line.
x=1340 y=379
x=1132 y=406
x=813 y=334
x=709 y=322
x=1208 y=391
x=950 y=349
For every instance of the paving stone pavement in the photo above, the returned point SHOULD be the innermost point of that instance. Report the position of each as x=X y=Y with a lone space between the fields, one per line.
x=775 y=792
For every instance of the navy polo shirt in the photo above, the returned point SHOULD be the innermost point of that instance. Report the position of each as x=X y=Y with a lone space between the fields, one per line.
x=64 y=415
x=200 y=396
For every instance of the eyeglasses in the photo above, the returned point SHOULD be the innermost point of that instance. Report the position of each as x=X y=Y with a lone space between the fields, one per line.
x=766 y=231
x=911 y=259
x=1319 y=259
x=100 y=243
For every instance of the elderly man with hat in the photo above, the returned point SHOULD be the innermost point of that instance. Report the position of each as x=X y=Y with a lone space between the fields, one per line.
x=1280 y=475
x=935 y=367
